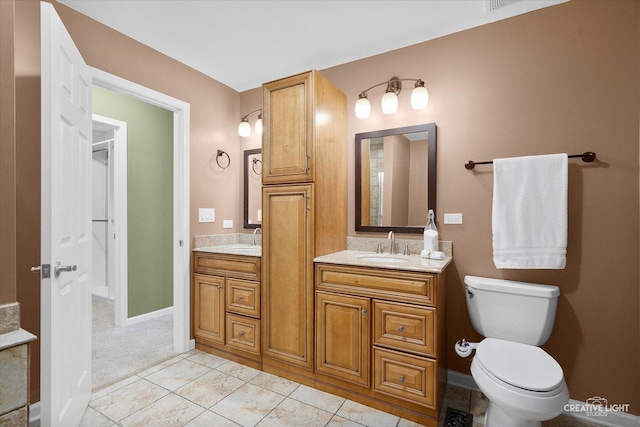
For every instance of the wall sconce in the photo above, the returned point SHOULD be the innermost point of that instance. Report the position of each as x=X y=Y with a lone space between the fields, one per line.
x=244 y=129
x=419 y=97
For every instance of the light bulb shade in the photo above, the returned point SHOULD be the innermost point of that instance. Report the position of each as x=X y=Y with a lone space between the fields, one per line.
x=389 y=103
x=259 y=126
x=244 y=129
x=419 y=98
x=363 y=108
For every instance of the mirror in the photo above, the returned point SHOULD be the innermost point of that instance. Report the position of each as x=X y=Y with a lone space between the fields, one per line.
x=395 y=178
x=253 y=188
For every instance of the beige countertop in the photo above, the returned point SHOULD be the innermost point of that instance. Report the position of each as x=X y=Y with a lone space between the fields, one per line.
x=233 y=249
x=395 y=262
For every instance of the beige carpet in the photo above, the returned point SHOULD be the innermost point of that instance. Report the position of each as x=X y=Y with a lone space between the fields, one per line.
x=119 y=353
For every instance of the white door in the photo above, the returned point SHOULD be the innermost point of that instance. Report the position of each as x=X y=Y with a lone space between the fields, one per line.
x=66 y=226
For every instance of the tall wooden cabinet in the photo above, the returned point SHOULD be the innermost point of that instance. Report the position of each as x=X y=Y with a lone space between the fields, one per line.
x=304 y=154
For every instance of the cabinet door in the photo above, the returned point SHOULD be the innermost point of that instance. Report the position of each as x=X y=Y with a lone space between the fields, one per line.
x=342 y=332
x=287 y=274
x=288 y=130
x=208 y=313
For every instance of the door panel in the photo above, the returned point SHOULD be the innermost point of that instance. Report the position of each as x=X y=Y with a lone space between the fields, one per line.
x=288 y=274
x=66 y=225
x=288 y=117
x=343 y=337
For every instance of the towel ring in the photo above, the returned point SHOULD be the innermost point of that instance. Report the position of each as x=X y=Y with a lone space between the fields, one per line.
x=253 y=166
x=220 y=154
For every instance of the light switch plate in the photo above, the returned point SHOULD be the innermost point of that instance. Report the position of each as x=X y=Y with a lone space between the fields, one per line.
x=453 y=218
x=206 y=215
x=227 y=223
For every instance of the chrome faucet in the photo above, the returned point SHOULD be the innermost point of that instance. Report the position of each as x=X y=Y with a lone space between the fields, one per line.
x=253 y=240
x=392 y=249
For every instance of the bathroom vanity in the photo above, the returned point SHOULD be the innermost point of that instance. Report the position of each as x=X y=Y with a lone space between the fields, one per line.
x=226 y=302
x=381 y=331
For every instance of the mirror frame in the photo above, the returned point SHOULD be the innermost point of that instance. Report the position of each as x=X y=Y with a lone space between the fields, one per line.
x=248 y=153
x=431 y=179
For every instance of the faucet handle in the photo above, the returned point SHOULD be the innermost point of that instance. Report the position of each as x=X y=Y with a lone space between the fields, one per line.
x=406 y=249
x=379 y=248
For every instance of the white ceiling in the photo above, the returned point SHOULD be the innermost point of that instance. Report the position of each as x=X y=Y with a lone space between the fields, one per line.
x=244 y=43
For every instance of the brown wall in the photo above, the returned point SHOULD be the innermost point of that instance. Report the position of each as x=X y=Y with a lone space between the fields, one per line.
x=214 y=119
x=561 y=79
x=7 y=156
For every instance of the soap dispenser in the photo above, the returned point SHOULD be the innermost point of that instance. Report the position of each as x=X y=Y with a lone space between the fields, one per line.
x=430 y=236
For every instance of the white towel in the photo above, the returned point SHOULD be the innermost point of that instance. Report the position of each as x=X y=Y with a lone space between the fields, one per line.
x=530 y=212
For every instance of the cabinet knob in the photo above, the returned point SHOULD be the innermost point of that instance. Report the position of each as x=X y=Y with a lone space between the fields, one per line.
x=401 y=378
x=401 y=328
x=364 y=312
x=239 y=297
x=241 y=333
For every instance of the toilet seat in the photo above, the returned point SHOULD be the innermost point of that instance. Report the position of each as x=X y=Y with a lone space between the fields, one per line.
x=525 y=367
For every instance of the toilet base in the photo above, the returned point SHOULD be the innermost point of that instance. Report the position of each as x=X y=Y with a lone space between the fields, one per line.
x=496 y=417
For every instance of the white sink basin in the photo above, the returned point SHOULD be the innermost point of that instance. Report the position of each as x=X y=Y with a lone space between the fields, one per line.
x=382 y=259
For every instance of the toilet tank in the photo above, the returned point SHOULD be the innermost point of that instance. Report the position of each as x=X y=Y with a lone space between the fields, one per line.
x=512 y=311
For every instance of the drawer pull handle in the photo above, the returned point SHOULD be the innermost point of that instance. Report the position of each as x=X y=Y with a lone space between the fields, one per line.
x=401 y=378
x=241 y=333
x=401 y=328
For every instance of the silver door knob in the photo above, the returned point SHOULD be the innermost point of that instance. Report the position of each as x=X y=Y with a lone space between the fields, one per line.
x=59 y=268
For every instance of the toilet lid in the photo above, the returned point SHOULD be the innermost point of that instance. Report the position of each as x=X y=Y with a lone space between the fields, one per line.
x=521 y=365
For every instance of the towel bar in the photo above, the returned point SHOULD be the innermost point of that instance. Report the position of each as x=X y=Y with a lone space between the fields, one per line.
x=587 y=157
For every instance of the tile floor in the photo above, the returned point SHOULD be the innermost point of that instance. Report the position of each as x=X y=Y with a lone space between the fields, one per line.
x=200 y=389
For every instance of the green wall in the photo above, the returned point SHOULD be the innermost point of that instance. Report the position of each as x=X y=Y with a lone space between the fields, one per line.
x=149 y=197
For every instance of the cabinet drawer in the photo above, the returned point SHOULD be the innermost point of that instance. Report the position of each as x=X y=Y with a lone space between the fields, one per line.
x=404 y=327
x=404 y=376
x=243 y=297
x=243 y=267
x=397 y=285
x=243 y=333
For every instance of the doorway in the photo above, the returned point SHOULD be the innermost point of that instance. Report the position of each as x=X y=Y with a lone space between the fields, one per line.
x=181 y=252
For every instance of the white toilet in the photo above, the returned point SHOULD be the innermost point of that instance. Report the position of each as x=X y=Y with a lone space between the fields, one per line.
x=523 y=383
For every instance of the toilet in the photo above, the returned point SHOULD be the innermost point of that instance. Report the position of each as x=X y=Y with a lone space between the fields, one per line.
x=524 y=384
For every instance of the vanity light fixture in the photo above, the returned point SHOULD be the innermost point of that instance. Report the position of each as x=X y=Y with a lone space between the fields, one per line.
x=419 y=97
x=244 y=128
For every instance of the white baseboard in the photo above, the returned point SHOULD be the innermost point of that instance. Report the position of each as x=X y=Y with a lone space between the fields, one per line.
x=34 y=412
x=192 y=344
x=149 y=316
x=575 y=408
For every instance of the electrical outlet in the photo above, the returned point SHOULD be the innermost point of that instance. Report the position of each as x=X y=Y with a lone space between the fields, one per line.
x=206 y=215
x=227 y=223
x=453 y=218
